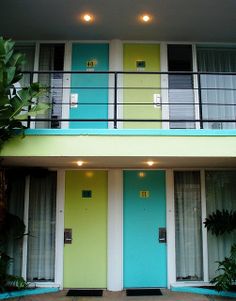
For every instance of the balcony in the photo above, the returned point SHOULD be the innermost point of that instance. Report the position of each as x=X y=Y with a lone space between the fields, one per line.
x=135 y=100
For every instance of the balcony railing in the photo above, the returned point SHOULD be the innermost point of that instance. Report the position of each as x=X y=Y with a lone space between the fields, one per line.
x=155 y=100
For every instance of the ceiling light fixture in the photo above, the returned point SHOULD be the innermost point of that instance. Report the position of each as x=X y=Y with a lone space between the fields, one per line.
x=79 y=163
x=150 y=163
x=87 y=18
x=145 y=18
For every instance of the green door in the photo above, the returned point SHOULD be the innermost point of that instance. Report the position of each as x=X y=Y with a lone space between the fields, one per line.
x=85 y=258
x=141 y=91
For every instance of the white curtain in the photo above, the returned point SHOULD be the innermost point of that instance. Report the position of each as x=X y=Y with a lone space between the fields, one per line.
x=220 y=194
x=54 y=82
x=188 y=233
x=15 y=205
x=29 y=52
x=42 y=218
x=218 y=91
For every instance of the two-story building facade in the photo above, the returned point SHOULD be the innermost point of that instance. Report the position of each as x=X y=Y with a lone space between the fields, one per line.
x=115 y=181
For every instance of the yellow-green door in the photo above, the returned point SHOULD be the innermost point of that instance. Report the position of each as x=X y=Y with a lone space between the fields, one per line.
x=85 y=258
x=141 y=91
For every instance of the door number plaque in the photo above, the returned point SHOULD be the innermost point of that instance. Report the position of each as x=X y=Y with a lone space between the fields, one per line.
x=144 y=194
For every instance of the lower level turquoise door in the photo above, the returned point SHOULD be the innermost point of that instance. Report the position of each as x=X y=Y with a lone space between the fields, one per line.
x=89 y=90
x=144 y=217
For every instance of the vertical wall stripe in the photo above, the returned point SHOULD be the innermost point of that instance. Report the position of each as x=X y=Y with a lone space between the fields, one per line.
x=115 y=64
x=204 y=230
x=170 y=218
x=26 y=221
x=115 y=231
x=66 y=84
x=195 y=85
x=164 y=85
x=59 y=228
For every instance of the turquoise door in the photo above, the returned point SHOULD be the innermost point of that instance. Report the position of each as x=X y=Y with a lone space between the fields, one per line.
x=144 y=217
x=89 y=92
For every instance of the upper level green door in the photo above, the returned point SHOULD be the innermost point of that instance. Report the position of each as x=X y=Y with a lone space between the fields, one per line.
x=141 y=91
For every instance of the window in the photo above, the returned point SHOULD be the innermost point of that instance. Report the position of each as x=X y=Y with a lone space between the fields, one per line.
x=188 y=229
x=220 y=194
x=51 y=58
x=37 y=192
x=218 y=92
x=181 y=96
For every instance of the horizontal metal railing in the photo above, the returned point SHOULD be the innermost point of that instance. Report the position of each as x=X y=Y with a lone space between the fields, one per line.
x=206 y=100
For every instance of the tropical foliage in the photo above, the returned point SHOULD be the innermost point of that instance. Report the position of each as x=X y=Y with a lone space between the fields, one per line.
x=227 y=272
x=219 y=223
x=15 y=104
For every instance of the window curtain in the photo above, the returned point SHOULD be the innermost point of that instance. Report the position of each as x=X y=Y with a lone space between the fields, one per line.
x=220 y=194
x=15 y=205
x=218 y=92
x=42 y=219
x=188 y=230
x=54 y=83
x=29 y=52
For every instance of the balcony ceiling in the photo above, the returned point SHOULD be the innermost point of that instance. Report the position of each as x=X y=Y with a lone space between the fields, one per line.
x=173 y=20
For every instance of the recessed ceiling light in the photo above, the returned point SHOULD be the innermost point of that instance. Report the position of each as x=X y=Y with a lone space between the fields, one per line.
x=146 y=18
x=79 y=163
x=87 y=18
x=150 y=163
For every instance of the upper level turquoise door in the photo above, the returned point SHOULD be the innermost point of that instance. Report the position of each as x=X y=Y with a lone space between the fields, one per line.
x=89 y=92
x=144 y=217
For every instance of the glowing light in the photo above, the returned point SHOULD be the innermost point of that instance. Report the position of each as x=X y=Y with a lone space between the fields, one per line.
x=150 y=163
x=146 y=18
x=87 y=18
x=79 y=163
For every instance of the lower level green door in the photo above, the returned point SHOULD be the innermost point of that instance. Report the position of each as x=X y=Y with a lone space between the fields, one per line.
x=85 y=256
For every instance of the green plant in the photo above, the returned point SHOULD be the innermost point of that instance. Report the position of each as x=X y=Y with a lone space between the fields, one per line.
x=7 y=281
x=15 y=105
x=219 y=223
x=227 y=270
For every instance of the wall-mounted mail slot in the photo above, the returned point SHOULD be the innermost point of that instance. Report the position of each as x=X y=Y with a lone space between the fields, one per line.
x=67 y=236
x=162 y=235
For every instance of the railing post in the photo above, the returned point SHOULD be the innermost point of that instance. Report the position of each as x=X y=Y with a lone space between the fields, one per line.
x=115 y=100
x=200 y=99
x=29 y=107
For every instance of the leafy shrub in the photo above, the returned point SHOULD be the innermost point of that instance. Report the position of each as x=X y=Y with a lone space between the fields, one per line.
x=227 y=269
x=9 y=282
